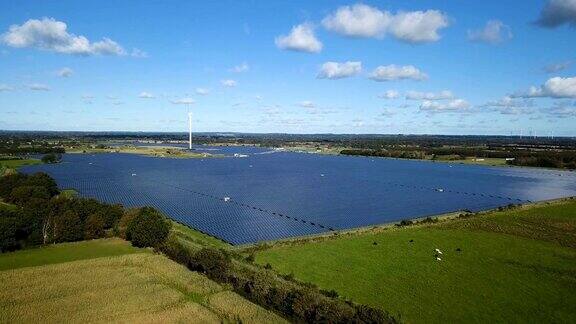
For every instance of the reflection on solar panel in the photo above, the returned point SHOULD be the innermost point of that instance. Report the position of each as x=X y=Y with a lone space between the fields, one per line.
x=272 y=196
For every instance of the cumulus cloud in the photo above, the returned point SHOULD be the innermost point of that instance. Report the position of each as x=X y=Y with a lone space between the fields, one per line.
x=390 y=94
x=301 y=39
x=495 y=32
x=65 y=72
x=394 y=72
x=456 y=105
x=38 y=87
x=52 y=35
x=202 y=91
x=146 y=95
x=307 y=104
x=4 y=87
x=558 y=12
x=335 y=70
x=557 y=67
x=183 y=101
x=361 y=20
x=244 y=67
x=554 y=88
x=229 y=83
x=442 y=95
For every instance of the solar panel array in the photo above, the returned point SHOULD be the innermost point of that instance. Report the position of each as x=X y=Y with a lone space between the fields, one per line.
x=272 y=196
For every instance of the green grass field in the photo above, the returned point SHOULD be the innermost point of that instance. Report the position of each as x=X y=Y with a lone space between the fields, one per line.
x=512 y=266
x=15 y=164
x=110 y=281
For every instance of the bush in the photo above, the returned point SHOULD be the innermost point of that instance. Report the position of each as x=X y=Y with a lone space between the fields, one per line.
x=125 y=220
x=94 y=227
x=51 y=158
x=21 y=196
x=215 y=263
x=68 y=227
x=148 y=228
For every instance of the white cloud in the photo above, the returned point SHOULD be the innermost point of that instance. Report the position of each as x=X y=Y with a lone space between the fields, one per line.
x=138 y=53
x=554 y=88
x=4 y=87
x=418 y=26
x=361 y=20
x=390 y=94
x=394 y=72
x=65 y=72
x=202 y=91
x=557 y=67
x=38 y=87
x=511 y=106
x=301 y=38
x=442 y=95
x=146 y=95
x=240 y=68
x=307 y=104
x=258 y=97
x=229 y=83
x=183 y=101
x=358 y=20
x=335 y=70
x=494 y=32
x=456 y=105
x=558 y=12
x=52 y=35
x=561 y=110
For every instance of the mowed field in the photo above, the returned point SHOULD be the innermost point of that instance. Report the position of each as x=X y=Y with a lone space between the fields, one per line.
x=512 y=266
x=108 y=280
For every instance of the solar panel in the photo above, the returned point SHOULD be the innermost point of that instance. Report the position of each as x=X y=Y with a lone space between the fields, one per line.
x=280 y=195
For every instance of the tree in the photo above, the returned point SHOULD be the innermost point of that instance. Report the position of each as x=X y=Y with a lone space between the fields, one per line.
x=149 y=228
x=43 y=180
x=68 y=227
x=51 y=158
x=94 y=227
x=215 y=263
x=22 y=195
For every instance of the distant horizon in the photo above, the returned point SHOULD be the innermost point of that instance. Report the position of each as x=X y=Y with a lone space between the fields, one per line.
x=185 y=133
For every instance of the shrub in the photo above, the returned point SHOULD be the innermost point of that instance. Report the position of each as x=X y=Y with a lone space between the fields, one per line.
x=22 y=195
x=94 y=227
x=125 y=220
x=215 y=263
x=51 y=158
x=68 y=227
x=148 y=228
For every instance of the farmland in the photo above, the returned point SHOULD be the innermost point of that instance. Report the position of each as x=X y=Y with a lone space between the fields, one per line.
x=108 y=280
x=515 y=265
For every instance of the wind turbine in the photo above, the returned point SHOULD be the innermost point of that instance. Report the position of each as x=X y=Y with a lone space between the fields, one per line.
x=189 y=127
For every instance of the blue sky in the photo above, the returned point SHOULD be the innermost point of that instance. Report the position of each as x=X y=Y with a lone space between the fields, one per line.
x=419 y=67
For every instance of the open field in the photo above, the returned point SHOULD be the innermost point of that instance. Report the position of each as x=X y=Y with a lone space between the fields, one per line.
x=134 y=287
x=9 y=166
x=15 y=164
x=66 y=252
x=511 y=266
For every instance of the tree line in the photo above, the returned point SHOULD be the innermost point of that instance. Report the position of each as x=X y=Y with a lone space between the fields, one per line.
x=36 y=213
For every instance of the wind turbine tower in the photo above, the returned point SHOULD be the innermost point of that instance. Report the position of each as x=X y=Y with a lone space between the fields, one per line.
x=190 y=130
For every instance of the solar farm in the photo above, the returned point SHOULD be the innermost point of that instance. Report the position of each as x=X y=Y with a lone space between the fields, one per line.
x=267 y=195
